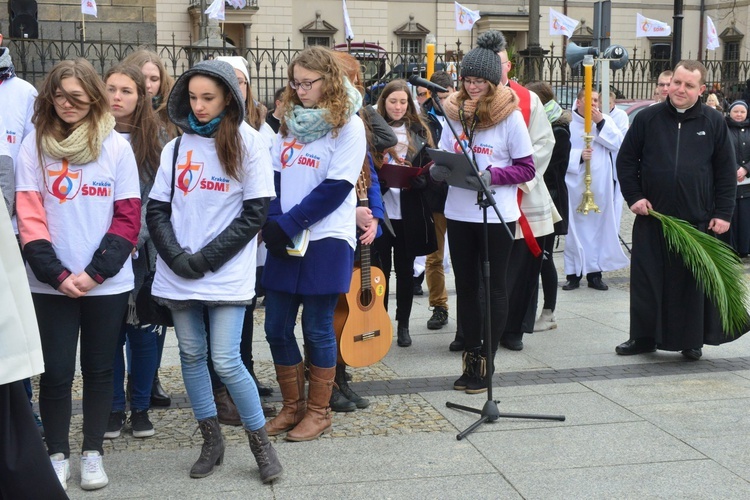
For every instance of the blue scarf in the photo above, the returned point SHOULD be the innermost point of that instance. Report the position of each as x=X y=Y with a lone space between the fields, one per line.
x=205 y=129
x=309 y=124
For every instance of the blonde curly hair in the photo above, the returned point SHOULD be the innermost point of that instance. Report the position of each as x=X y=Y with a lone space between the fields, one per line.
x=333 y=96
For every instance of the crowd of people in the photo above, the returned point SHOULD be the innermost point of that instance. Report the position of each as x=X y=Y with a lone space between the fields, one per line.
x=134 y=183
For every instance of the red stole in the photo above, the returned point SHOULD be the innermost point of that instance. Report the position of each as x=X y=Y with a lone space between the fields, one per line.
x=524 y=102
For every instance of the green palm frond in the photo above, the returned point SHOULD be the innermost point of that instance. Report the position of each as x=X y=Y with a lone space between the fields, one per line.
x=715 y=267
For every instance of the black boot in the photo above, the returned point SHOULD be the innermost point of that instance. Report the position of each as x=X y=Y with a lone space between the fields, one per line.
x=478 y=383
x=263 y=390
x=339 y=403
x=212 y=452
x=343 y=383
x=467 y=368
x=265 y=455
x=159 y=396
x=403 y=339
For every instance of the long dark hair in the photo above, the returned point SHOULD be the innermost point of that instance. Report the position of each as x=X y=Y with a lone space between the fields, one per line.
x=139 y=58
x=412 y=118
x=229 y=145
x=142 y=124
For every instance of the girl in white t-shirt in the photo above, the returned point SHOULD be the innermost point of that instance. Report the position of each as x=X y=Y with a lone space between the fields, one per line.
x=136 y=121
x=317 y=159
x=407 y=209
x=78 y=211
x=491 y=128
x=208 y=203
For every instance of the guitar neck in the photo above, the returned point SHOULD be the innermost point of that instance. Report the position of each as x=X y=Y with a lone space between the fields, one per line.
x=364 y=255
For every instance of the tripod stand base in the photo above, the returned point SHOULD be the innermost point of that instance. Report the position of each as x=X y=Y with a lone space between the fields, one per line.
x=490 y=413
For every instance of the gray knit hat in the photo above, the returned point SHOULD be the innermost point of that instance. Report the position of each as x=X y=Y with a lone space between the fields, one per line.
x=178 y=105
x=482 y=61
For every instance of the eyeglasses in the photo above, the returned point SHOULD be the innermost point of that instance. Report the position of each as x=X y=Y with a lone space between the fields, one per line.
x=478 y=82
x=303 y=85
x=421 y=94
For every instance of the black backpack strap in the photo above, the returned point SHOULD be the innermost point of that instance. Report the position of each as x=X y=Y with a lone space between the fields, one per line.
x=174 y=166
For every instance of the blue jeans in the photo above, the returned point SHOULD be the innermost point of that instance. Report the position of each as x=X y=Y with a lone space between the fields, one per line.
x=226 y=331
x=143 y=348
x=317 y=328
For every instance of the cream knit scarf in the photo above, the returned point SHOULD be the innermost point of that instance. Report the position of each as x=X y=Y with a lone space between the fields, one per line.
x=75 y=147
x=503 y=104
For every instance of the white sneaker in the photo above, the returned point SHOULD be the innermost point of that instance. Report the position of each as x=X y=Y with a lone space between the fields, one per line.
x=62 y=468
x=546 y=321
x=93 y=476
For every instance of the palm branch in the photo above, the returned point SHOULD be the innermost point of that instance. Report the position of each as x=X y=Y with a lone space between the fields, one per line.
x=714 y=265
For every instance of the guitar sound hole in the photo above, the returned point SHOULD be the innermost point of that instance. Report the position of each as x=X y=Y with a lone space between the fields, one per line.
x=365 y=298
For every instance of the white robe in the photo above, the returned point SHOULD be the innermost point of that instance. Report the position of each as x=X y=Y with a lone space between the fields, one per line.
x=623 y=123
x=592 y=243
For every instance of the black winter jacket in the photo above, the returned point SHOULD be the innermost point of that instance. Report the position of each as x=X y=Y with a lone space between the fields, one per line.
x=683 y=163
x=554 y=176
x=739 y=132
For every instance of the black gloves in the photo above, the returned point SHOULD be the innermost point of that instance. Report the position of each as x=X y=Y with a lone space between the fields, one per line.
x=439 y=172
x=182 y=268
x=418 y=182
x=276 y=239
x=199 y=263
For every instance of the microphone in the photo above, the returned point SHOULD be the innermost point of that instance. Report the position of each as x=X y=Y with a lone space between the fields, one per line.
x=421 y=82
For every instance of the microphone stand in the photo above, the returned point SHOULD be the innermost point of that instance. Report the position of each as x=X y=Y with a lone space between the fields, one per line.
x=485 y=199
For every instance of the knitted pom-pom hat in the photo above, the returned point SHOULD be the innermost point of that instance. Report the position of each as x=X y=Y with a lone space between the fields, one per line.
x=482 y=61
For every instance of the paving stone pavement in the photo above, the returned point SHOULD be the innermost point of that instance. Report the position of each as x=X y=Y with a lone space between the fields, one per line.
x=650 y=426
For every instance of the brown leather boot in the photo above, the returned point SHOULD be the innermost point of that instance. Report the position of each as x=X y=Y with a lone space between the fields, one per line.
x=292 y=384
x=317 y=419
x=226 y=410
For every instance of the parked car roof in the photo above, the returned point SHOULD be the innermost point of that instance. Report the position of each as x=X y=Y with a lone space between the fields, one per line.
x=633 y=106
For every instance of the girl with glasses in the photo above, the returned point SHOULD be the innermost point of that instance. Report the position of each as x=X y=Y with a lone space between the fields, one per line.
x=317 y=159
x=491 y=128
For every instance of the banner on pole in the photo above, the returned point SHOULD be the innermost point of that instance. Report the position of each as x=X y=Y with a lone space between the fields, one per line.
x=88 y=7
x=349 y=34
x=216 y=10
x=465 y=18
x=712 y=39
x=560 y=24
x=650 y=27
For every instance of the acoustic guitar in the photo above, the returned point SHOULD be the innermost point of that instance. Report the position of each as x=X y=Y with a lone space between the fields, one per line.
x=363 y=328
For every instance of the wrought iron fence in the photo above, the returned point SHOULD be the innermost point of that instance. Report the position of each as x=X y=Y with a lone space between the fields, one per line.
x=33 y=58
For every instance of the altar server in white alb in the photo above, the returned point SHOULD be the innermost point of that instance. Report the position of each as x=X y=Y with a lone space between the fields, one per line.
x=592 y=244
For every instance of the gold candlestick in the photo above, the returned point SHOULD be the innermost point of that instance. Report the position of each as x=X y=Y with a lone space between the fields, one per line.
x=587 y=201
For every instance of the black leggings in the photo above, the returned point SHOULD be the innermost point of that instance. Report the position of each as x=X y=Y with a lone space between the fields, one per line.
x=403 y=261
x=549 y=275
x=467 y=249
x=60 y=318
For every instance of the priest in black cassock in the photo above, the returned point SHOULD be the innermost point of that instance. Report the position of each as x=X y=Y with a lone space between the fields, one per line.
x=676 y=159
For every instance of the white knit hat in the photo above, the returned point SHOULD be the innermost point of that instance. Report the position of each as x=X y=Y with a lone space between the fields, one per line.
x=237 y=62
